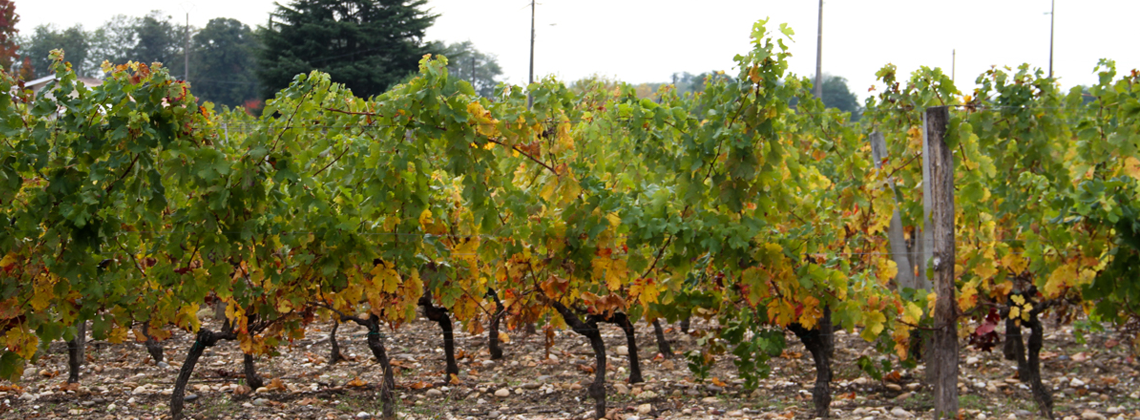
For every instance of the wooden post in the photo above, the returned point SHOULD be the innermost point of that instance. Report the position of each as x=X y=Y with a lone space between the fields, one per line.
x=944 y=359
x=899 y=252
x=925 y=238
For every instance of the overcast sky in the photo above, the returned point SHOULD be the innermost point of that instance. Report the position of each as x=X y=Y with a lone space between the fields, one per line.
x=647 y=41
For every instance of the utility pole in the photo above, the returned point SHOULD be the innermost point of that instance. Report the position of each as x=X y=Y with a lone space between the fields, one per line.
x=472 y=69
x=529 y=99
x=819 y=55
x=953 y=63
x=186 y=67
x=1052 y=18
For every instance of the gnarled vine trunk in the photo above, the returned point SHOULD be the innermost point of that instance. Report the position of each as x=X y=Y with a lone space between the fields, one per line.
x=334 y=346
x=816 y=342
x=622 y=321
x=1029 y=365
x=439 y=315
x=153 y=347
x=663 y=346
x=493 y=329
x=75 y=352
x=376 y=345
x=250 y=371
x=589 y=329
x=204 y=339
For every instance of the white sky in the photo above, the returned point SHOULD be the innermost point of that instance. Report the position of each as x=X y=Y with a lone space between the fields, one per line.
x=647 y=41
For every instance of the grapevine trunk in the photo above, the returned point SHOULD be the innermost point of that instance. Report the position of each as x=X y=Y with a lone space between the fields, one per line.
x=631 y=342
x=439 y=316
x=1029 y=365
x=334 y=351
x=589 y=329
x=376 y=345
x=663 y=346
x=817 y=342
x=205 y=338
x=251 y=378
x=493 y=330
x=75 y=352
x=152 y=346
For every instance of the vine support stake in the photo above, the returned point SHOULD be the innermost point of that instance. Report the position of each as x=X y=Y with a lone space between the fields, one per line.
x=944 y=360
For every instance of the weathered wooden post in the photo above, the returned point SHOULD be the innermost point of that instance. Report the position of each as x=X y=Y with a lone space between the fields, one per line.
x=944 y=359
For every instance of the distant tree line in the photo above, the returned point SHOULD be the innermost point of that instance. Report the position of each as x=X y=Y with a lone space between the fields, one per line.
x=369 y=45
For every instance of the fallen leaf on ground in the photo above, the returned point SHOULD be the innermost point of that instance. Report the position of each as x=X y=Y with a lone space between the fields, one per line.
x=276 y=385
x=788 y=354
x=356 y=383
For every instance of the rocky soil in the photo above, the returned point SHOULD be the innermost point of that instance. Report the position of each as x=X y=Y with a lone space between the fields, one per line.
x=1094 y=380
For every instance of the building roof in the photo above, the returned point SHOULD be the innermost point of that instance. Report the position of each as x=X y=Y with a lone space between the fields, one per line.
x=37 y=84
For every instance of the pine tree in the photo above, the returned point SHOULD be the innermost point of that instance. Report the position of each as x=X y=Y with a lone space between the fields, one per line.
x=224 y=62
x=369 y=45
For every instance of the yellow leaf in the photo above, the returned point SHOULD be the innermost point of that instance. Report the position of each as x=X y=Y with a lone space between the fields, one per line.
x=757 y=290
x=233 y=311
x=1015 y=263
x=969 y=296
x=1062 y=278
x=504 y=338
x=188 y=317
x=1131 y=167
x=385 y=277
x=548 y=189
x=901 y=335
x=645 y=290
x=8 y=260
x=1018 y=299
x=888 y=269
x=1003 y=288
x=425 y=218
x=811 y=313
x=1014 y=312
x=781 y=312
x=117 y=335
x=614 y=219
x=21 y=342
x=912 y=314
x=884 y=205
x=839 y=283
x=43 y=292
x=616 y=274
x=873 y=324
x=245 y=343
x=284 y=306
x=914 y=138
x=985 y=269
